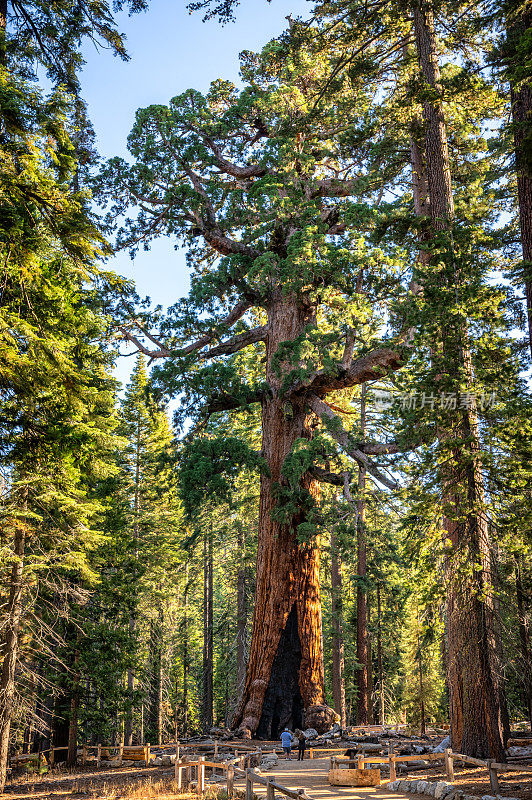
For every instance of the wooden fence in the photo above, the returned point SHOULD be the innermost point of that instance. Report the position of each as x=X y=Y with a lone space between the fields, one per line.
x=271 y=787
x=448 y=757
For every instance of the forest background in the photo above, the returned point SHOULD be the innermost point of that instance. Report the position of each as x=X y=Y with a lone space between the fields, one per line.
x=128 y=556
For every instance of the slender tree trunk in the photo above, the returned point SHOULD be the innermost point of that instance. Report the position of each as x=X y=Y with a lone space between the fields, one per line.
x=362 y=627
x=160 y=678
x=9 y=649
x=338 y=684
x=185 y=656
x=524 y=638
x=207 y=633
x=128 y=724
x=474 y=692
x=421 y=682
x=371 y=718
x=521 y=99
x=285 y=673
x=3 y=31
x=74 y=709
x=379 y=657
x=241 y=612
x=156 y=678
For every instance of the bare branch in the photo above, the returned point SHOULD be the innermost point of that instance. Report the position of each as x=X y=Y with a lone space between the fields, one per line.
x=234 y=315
x=237 y=343
x=151 y=354
x=338 y=433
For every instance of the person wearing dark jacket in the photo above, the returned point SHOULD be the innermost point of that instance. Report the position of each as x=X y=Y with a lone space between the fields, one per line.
x=301 y=743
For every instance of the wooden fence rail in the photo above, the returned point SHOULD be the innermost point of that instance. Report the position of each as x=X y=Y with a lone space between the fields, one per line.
x=493 y=767
x=185 y=771
x=271 y=787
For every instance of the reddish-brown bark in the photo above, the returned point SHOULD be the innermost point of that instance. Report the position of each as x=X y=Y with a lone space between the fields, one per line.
x=474 y=691
x=288 y=582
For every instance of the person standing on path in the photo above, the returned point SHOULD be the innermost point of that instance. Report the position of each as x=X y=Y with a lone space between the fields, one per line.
x=286 y=741
x=301 y=742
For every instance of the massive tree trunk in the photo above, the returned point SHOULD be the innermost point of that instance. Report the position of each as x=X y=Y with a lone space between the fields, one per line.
x=338 y=683
x=9 y=647
x=284 y=681
x=473 y=686
x=521 y=98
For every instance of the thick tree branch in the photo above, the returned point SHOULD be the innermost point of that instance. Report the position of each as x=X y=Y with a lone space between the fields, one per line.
x=335 y=187
x=228 y=167
x=224 y=245
x=338 y=433
x=370 y=367
x=236 y=343
x=227 y=402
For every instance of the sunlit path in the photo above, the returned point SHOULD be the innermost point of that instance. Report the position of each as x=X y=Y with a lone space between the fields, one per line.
x=311 y=775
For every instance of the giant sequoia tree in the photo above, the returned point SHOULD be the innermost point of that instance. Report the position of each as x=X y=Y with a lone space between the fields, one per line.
x=272 y=202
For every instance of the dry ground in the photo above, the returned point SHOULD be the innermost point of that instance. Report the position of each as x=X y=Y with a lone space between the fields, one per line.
x=156 y=783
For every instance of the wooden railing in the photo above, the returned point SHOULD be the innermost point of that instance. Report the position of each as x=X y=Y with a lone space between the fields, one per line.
x=493 y=767
x=186 y=771
x=271 y=787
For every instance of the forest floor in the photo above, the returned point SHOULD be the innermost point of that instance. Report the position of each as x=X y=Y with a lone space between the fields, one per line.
x=156 y=783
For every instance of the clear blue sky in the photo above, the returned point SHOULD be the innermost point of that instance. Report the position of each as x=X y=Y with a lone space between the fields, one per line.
x=171 y=51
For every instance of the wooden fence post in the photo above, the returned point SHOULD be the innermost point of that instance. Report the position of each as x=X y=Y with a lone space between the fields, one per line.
x=177 y=769
x=178 y=775
x=270 y=791
x=98 y=756
x=494 y=778
x=393 y=774
x=249 y=785
x=120 y=753
x=449 y=765
x=231 y=780
x=147 y=754
x=360 y=761
x=200 y=787
x=311 y=752
x=215 y=748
